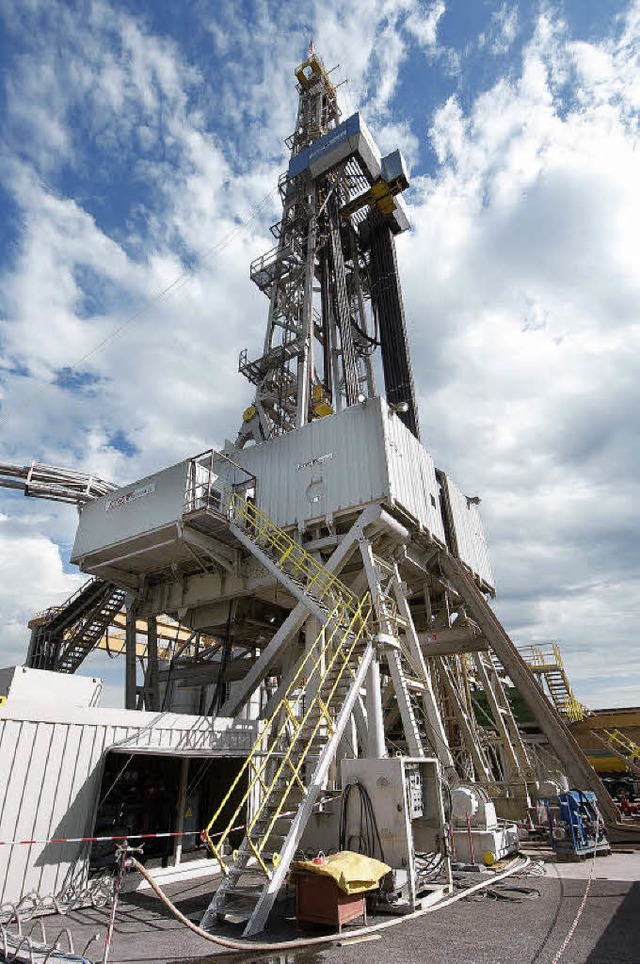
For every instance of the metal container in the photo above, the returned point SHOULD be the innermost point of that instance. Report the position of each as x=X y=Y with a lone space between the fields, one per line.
x=51 y=758
x=466 y=532
x=138 y=518
x=352 y=136
x=330 y=467
x=343 y=462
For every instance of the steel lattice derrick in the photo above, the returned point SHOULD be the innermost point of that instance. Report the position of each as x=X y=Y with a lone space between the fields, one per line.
x=321 y=331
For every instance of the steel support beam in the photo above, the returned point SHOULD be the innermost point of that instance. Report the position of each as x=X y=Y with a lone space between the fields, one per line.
x=578 y=769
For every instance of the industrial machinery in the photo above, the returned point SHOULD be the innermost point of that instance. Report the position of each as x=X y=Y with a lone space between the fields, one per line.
x=408 y=806
x=478 y=835
x=576 y=826
x=344 y=577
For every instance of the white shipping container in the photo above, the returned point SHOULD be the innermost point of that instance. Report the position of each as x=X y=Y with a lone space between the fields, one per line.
x=332 y=466
x=152 y=504
x=51 y=760
x=469 y=541
x=343 y=462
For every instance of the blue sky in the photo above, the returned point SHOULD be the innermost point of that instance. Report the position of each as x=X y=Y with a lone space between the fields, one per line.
x=136 y=137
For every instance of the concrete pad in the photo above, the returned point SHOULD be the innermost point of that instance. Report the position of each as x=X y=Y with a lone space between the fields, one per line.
x=615 y=866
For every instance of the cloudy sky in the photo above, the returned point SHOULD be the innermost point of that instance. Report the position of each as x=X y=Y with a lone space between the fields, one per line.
x=140 y=143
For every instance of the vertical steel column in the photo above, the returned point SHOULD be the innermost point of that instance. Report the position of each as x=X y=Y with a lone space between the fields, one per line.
x=376 y=747
x=130 y=685
x=152 y=690
x=305 y=360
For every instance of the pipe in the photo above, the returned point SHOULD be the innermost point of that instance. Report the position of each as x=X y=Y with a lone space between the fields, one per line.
x=240 y=945
x=395 y=528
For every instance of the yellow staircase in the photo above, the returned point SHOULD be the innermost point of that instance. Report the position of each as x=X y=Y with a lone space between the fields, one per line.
x=621 y=746
x=281 y=778
x=284 y=556
x=545 y=662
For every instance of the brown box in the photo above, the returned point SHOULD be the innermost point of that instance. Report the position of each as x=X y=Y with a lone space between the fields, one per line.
x=319 y=900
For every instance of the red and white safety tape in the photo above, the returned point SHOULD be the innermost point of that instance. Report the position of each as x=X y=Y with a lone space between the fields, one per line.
x=124 y=836
x=138 y=836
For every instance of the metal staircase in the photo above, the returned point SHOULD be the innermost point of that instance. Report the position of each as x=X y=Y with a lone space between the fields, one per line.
x=300 y=572
x=279 y=782
x=406 y=677
x=62 y=637
x=545 y=662
x=621 y=746
x=551 y=721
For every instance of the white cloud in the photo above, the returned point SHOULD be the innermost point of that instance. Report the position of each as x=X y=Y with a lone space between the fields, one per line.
x=31 y=580
x=505 y=24
x=423 y=23
x=521 y=277
x=527 y=355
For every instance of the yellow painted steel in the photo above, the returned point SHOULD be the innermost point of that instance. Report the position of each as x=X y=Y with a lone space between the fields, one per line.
x=545 y=660
x=291 y=557
x=336 y=649
x=623 y=745
x=274 y=766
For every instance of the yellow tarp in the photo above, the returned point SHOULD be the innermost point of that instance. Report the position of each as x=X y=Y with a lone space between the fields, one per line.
x=353 y=873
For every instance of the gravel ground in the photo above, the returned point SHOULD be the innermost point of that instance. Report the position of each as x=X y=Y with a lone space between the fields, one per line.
x=486 y=931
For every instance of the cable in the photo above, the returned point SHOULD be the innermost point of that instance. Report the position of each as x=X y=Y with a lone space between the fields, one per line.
x=243 y=945
x=368 y=832
x=581 y=908
x=180 y=281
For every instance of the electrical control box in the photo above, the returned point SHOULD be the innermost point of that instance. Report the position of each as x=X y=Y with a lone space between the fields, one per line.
x=414 y=792
x=407 y=803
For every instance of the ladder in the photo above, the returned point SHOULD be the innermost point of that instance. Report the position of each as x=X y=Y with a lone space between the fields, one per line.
x=281 y=779
x=545 y=662
x=552 y=723
x=87 y=632
x=292 y=565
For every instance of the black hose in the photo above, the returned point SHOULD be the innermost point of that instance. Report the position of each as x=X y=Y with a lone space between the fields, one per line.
x=368 y=835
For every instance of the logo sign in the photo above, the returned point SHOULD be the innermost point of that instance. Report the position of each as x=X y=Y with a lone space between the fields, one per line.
x=317 y=461
x=130 y=496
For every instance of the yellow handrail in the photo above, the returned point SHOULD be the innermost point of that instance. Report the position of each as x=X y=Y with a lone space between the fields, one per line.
x=289 y=553
x=310 y=666
x=316 y=702
x=623 y=743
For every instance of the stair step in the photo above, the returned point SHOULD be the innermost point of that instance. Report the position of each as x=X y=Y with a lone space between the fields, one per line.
x=236 y=872
x=247 y=893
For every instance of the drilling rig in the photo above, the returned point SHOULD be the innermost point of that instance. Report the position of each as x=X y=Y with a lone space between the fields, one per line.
x=345 y=576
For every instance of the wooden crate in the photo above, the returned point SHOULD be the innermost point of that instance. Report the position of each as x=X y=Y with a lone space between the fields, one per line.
x=319 y=900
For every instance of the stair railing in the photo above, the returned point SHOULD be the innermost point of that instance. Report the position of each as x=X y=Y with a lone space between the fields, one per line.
x=339 y=643
x=289 y=556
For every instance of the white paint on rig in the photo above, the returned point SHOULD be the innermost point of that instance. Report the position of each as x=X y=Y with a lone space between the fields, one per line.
x=41 y=686
x=470 y=544
x=51 y=764
x=359 y=456
x=328 y=468
x=99 y=526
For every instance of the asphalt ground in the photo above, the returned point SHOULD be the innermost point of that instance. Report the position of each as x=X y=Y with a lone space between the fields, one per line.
x=471 y=931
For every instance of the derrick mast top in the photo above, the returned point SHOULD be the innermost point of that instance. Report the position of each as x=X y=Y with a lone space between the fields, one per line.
x=331 y=278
